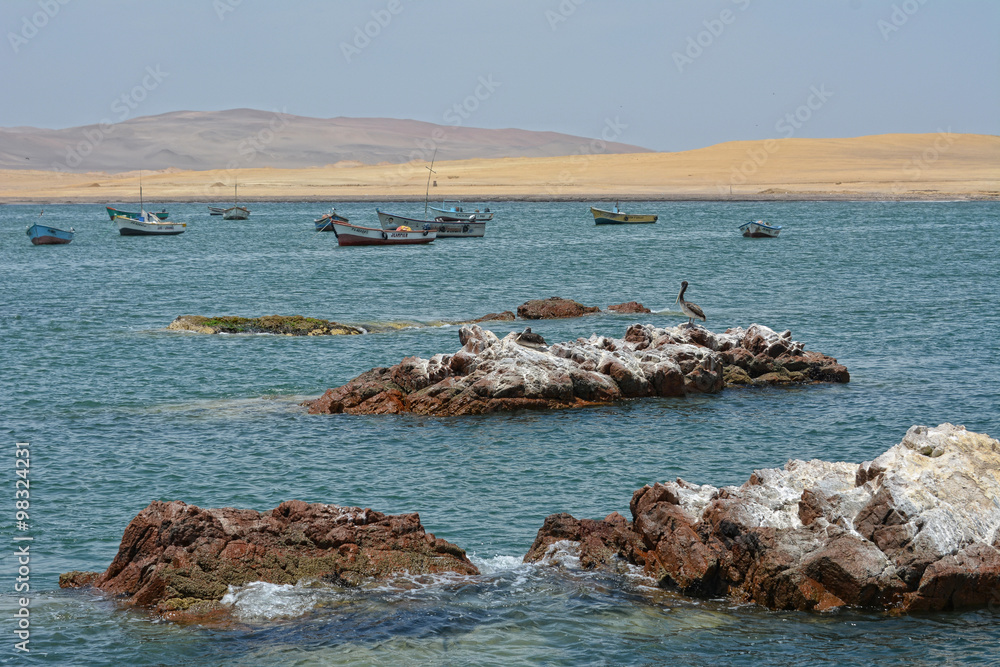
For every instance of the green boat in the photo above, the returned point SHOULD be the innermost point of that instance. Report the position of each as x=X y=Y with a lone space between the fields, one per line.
x=114 y=212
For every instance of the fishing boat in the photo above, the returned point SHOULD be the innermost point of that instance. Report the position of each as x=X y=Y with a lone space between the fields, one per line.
x=216 y=210
x=114 y=212
x=236 y=212
x=453 y=211
x=467 y=228
x=147 y=224
x=47 y=235
x=758 y=229
x=618 y=217
x=324 y=223
x=348 y=235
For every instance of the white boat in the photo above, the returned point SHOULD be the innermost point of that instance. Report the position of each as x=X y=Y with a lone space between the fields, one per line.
x=758 y=229
x=468 y=228
x=147 y=224
x=453 y=210
x=348 y=234
x=236 y=212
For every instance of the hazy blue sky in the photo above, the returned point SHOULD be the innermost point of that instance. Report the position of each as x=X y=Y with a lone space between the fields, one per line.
x=668 y=75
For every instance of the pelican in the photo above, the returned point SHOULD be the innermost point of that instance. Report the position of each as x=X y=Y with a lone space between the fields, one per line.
x=692 y=310
x=531 y=338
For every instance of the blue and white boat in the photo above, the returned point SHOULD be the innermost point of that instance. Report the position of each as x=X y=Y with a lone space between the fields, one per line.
x=47 y=235
x=453 y=211
x=758 y=229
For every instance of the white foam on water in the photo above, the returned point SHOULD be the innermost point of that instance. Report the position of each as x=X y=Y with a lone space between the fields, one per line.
x=260 y=600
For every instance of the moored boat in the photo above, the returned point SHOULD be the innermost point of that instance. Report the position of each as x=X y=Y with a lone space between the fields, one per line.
x=115 y=212
x=216 y=210
x=758 y=229
x=468 y=228
x=47 y=235
x=348 y=235
x=236 y=212
x=147 y=224
x=617 y=217
x=324 y=223
x=452 y=211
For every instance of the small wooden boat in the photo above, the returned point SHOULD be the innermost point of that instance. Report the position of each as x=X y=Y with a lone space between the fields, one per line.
x=348 y=234
x=236 y=212
x=452 y=211
x=114 y=212
x=758 y=229
x=617 y=217
x=324 y=223
x=47 y=235
x=147 y=224
x=216 y=210
x=446 y=229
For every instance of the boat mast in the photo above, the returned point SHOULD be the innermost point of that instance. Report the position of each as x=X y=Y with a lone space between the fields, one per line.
x=142 y=208
x=427 y=192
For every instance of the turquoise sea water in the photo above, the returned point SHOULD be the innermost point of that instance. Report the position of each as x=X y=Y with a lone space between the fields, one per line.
x=120 y=412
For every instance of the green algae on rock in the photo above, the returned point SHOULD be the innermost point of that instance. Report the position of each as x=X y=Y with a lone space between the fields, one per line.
x=282 y=325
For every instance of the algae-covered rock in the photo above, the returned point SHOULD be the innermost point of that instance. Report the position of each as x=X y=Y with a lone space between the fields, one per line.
x=284 y=325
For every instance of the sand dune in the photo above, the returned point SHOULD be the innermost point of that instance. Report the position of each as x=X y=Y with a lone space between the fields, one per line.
x=247 y=138
x=915 y=166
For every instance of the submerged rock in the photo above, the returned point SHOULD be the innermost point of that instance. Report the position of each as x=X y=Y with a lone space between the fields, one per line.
x=489 y=374
x=286 y=325
x=917 y=529
x=178 y=557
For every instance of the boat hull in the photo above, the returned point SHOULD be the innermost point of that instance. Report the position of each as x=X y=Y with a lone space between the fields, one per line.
x=114 y=213
x=352 y=235
x=46 y=235
x=325 y=222
x=216 y=210
x=236 y=213
x=602 y=217
x=760 y=230
x=444 y=229
x=132 y=227
x=457 y=213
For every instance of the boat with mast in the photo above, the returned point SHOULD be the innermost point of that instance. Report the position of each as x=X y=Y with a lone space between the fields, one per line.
x=147 y=224
x=236 y=212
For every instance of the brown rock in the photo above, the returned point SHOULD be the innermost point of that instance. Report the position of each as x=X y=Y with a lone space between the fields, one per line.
x=176 y=557
x=489 y=374
x=918 y=529
x=553 y=308
x=629 y=307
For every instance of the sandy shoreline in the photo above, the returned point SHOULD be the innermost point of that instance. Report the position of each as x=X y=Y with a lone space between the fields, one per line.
x=940 y=166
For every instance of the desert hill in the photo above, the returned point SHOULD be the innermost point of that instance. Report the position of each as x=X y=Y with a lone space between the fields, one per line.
x=895 y=166
x=248 y=138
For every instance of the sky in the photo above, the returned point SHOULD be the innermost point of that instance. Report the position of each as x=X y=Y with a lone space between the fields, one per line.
x=667 y=75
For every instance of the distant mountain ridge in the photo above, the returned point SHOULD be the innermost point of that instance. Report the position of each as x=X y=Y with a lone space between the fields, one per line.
x=243 y=138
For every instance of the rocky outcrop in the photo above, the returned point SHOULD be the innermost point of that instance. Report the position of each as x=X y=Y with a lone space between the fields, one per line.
x=491 y=317
x=178 y=557
x=553 y=308
x=917 y=529
x=285 y=325
x=629 y=307
x=489 y=374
